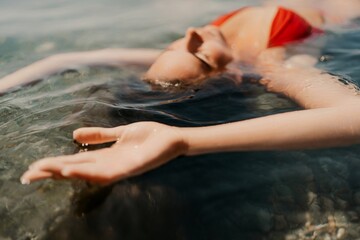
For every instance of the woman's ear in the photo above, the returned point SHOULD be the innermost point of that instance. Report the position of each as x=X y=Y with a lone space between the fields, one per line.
x=193 y=40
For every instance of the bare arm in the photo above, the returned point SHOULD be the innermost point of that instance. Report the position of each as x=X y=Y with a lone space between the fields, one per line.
x=61 y=62
x=332 y=118
x=306 y=129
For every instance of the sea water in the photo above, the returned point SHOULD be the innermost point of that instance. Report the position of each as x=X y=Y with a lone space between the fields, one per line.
x=248 y=195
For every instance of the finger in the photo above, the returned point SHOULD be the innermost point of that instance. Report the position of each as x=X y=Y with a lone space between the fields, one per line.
x=30 y=176
x=55 y=163
x=33 y=175
x=89 y=171
x=95 y=135
x=42 y=170
x=47 y=165
x=52 y=167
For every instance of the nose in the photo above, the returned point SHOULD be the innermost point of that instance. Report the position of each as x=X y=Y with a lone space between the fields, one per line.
x=190 y=31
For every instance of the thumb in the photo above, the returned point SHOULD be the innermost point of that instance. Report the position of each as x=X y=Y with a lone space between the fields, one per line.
x=96 y=135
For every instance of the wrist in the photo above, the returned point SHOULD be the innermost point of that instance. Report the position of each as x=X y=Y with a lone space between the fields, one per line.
x=201 y=140
x=182 y=143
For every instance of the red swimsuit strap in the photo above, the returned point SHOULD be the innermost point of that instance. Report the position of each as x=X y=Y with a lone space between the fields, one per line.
x=223 y=18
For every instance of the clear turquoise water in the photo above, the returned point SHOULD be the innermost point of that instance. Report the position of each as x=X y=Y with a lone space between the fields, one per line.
x=252 y=195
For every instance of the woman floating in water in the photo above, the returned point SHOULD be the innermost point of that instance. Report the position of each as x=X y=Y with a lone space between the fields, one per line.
x=252 y=35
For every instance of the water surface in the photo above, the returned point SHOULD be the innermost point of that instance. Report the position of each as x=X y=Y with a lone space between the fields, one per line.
x=249 y=195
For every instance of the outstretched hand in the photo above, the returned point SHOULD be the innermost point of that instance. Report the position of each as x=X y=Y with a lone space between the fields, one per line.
x=139 y=147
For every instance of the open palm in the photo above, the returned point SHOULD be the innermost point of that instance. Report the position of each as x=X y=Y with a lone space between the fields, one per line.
x=139 y=147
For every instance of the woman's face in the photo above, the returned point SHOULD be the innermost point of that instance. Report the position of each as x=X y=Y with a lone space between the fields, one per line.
x=201 y=53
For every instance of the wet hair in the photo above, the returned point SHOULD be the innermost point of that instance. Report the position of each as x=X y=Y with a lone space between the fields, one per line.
x=173 y=84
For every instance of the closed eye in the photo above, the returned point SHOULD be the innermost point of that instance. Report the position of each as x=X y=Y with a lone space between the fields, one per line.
x=204 y=59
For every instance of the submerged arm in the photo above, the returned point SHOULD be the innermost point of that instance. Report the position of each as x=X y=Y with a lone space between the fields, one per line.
x=61 y=62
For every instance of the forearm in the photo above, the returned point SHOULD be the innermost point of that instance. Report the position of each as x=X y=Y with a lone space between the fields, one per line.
x=61 y=62
x=30 y=73
x=306 y=129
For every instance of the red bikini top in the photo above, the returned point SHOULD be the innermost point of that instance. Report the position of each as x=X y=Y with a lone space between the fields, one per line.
x=287 y=26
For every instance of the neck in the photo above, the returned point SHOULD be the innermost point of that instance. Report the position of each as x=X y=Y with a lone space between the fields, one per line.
x=248 y=32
